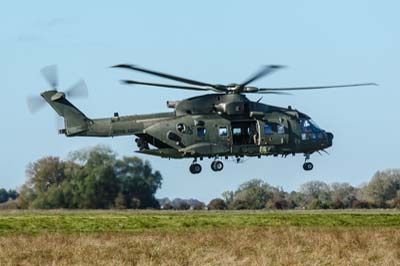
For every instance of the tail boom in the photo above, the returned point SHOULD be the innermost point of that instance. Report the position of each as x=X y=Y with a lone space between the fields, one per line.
x=78 y=124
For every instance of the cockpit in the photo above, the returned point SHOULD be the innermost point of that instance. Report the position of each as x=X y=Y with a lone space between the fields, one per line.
x=310 y=130
x=308 y=125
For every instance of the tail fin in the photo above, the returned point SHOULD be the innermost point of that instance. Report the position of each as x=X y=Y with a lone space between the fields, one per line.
x=75 y=121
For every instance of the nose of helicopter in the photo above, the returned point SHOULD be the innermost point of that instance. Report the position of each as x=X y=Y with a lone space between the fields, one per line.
x=330 y=135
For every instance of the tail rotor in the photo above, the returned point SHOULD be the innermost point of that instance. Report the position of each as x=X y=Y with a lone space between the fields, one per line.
x=50 y=74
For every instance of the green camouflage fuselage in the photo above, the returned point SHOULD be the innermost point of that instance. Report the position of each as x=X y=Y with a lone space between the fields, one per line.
x=205 y=126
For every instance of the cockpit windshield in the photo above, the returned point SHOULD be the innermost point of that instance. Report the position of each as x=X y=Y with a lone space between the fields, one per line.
x=308 y=126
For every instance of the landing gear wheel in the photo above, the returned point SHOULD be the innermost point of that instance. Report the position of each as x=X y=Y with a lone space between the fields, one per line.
x=308 y=166
x=195 y=168
x=217 y=166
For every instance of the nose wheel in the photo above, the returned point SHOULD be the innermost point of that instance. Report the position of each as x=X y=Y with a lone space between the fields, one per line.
x=307 y=166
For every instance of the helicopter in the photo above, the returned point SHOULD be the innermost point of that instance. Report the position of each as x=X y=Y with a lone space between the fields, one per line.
x=217 y=125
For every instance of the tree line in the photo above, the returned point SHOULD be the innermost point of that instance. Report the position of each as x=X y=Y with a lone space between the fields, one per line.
x=97 y=179
x=382 y=191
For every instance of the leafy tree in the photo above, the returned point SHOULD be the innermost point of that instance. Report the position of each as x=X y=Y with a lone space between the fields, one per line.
x=120 y=201
x=342 y=195
x=278 y=204
x=297 y=200
x=43 y=188
x=55 y=197
x=105 y=176
x=26 y=196
x=252 y=195
x=361 y=204
x=396 y=202
x=198 y=205
x=12 y=194
x=180 y=204
x=3 y=195
x=135 y=203
x=39 y=203
x=100 y=187
x=138 y=180
x=71 y=194
x=46 y=172
x=167 y=206
x=183 y=205
x=316 y=190
x=280 y=199
x=337 y=204
x=317 y=204
x=241 y=204
x=384 y=186
x=94 y=184
x=92 y=155
x=7 y=195
x=91 y=178
x=216 y=204
x=256 y=194
x=228 y=197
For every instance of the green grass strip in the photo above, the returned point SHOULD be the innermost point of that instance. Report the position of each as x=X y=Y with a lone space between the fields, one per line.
x=36 y=222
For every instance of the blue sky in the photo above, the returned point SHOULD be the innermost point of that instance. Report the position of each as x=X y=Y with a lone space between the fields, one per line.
x=321 y=42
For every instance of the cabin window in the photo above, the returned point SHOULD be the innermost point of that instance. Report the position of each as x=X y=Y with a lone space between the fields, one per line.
x=223 y=131
x=281 y=129
x=180 y=127
x=201 y=132
x=268 y=130
x=237 y=131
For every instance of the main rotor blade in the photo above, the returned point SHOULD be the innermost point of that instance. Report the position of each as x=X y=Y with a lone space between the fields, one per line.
x=35 y=103
x=265 y=70
x=129 y=82
x=271 y=92
x=79 y=89
x=317 y=87
x=167 y=76
x=50 y=73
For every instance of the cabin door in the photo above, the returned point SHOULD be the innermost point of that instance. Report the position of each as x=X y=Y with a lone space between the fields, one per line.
x=245 y=137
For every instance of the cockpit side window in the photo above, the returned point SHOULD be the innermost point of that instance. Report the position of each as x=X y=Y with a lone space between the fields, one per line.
x=309 y=126
x=280 y=129
x=310 y=130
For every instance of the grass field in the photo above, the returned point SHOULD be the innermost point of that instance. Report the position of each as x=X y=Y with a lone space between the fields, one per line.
x=199 y=238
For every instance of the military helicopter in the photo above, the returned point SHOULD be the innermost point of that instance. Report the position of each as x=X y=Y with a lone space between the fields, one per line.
x=218 y=125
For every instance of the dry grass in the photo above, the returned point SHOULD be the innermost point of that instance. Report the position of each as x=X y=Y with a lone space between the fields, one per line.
x=245 y=246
